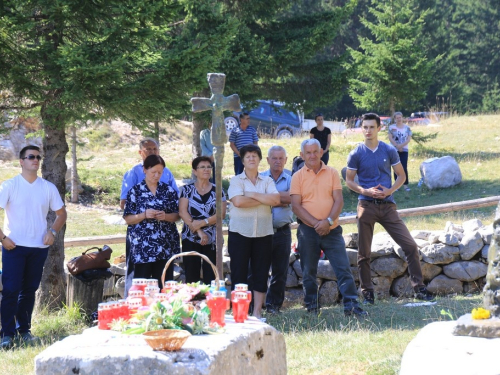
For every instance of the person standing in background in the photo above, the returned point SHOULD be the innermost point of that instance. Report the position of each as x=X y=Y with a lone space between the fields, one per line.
x=207 y=149
x=399 y=136
x=323 y=135
x=241 y=136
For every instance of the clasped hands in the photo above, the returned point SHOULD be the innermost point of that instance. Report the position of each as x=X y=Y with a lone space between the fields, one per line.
x=155 y=214
x=378 y=192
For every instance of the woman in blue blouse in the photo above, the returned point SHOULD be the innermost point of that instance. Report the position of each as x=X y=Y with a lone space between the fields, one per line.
x=151 y=211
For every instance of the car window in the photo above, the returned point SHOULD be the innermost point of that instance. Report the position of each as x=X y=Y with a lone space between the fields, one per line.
x=261 y=111
x=280 y=112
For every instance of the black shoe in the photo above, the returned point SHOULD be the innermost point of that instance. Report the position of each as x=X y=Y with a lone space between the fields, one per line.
x=313 y=309
x=368 y=297
x=356 y=311
x=28 y=339
x=7 y=342
x=424 y=295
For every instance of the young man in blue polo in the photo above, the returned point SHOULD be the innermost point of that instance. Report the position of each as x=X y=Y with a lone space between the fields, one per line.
x=372 y=161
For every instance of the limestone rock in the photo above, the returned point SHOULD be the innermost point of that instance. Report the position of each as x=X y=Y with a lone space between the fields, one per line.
x=475 y=286
x=400 y=253
x=355 y=273
x=292 y=258
x=472 y=225
x=434 y=237
x=119 y=269
x=470 y=245
x=484 y=251
x=325 y=270
x=440 y=254
x=429 y=271
x=297 y=269
x=352 y=254
x=451 y=227
x=252 y=347
x=328 y=293
x=420 y=234
x=226 y=264
x=389 y=267
x=351 y=240
x=109 y=287
x=443 y=285
x=450 y=239
x=293 y=297
x=382 y=286
x=440 y=173
x=421 y=243
x=120 y=286
x=486 y=233
x=382 y=245
x=465 y=271
x=401 y=287
x=490 y=328
x=291 y=278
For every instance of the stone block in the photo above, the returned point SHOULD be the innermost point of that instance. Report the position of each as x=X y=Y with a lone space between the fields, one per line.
x=475 y=286
x=470 y=245
x=120 y=286
x=351 y=240
x=291 y=278
x=465 y=270
x=382 y=286
x=429 y=271
x=420 y=234
x=488 y=328
x=451 y=227
x=251 y=347
x=472 y=225
x=440 y=173
x=449 y=239
x=352 y=254
x=355 y=273
x=297 y=269
x=292 y=258
x=440 y=254
x=325 y=270
x=328 y=293
x=389 y=266
x=486 y=233
x=119 y=269
x=401 y=287
x=382 y=245
x=293 y=297
x=109 y=287
x=434 y=237
x=421 y=243
x=484 y=251
x=443 y=285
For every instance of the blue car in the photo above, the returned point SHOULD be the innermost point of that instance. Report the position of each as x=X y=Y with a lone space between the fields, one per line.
x=269 y=118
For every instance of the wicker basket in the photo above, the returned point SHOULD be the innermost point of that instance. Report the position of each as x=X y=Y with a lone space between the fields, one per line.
x=190 y=253
x=166 y=339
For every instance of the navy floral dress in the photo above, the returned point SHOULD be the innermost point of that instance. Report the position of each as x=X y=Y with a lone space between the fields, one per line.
x=152 y=240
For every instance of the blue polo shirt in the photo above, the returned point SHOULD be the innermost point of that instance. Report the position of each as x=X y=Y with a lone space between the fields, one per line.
x=243 y=137
x=281 y=215
x=373 y=167
x=136 y=175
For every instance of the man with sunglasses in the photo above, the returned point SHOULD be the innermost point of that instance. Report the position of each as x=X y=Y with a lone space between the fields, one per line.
x=25 y=240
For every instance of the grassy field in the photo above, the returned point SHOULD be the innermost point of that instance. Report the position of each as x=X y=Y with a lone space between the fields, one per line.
x=329 y=343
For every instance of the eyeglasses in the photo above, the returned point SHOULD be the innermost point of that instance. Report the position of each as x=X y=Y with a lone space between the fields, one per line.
x=33 y=157
x=205 y=167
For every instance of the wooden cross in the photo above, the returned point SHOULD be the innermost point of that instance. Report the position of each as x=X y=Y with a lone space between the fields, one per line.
x=218 y=103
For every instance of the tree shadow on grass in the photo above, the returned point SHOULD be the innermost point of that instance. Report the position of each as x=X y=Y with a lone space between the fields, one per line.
x=384 y=315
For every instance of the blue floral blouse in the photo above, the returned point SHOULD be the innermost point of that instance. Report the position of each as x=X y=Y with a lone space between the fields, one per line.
x=152 y=240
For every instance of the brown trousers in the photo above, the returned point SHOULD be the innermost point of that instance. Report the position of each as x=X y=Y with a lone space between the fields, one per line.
x=386 y=215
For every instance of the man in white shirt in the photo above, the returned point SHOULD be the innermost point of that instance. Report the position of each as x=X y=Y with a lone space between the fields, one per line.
x=25 y=240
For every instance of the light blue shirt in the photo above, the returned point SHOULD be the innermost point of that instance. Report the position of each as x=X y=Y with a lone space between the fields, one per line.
x=207 y=149
x=136 y=175
x=373 y=167
x=281 y=215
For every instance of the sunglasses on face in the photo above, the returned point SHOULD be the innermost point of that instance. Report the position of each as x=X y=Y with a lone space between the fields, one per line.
x=33 y=157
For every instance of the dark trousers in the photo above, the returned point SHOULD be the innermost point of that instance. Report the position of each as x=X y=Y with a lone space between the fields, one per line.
x=386 y=215
x=22 y=273
x=403 y=157
x=333 y=245
x=282 y=243
x=326 y=157
x=238 y=166
x=254 y=250
x=193 y=264
x=154 y=270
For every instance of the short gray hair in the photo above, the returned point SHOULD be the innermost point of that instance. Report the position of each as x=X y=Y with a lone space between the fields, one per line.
x=309 y=142
x=146 y=140
x=397 y=113
x=276 y=148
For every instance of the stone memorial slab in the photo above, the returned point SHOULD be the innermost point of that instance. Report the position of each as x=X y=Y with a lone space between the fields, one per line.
x=248 y=348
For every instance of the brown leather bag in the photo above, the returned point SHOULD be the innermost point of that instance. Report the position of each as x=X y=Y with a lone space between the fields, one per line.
x=97 y=259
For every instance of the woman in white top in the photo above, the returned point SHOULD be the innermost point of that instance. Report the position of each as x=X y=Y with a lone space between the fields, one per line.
x=251 y=225
x=400 y=135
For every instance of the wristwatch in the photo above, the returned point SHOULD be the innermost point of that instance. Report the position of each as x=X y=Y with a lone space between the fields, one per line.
x=4 y=237
x=54 y=233
x=330 y=221
x=206 y=221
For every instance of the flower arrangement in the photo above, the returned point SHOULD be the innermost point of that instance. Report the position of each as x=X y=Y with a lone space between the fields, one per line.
x=480 y=313
x=183 y=308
